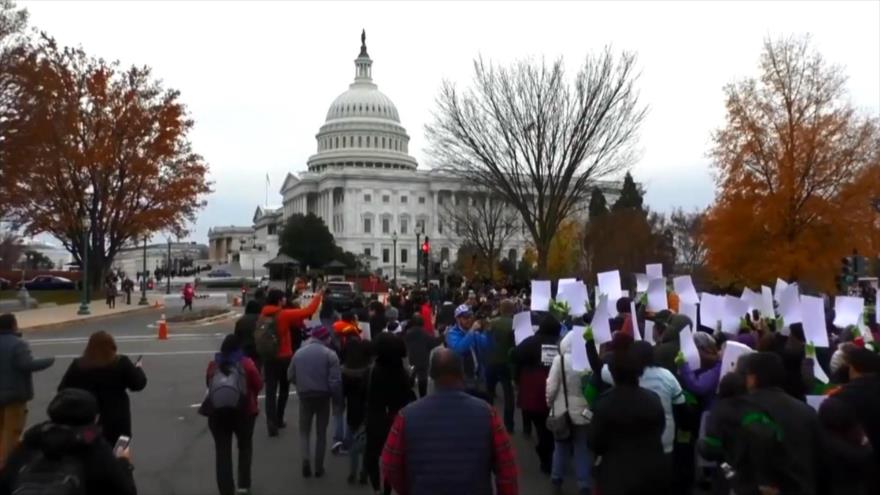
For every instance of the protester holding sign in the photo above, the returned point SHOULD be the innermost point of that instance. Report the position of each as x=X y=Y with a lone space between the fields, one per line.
x=532 y=359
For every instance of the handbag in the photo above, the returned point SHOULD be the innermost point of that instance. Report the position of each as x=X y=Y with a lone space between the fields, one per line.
x=560 y=426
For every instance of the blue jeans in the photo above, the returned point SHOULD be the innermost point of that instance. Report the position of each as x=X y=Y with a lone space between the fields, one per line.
x=500 y=373
x=583 y=459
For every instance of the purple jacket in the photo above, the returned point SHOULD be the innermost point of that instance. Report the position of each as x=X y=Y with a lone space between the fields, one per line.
x=703 y=382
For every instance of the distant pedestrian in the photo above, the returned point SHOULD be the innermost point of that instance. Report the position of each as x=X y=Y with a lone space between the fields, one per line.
x=244 y=330
x=316 y=373
x=16 y=385
x=449 y=441
x=127 y=287
x=188 y=294
x=110 y=292
x=108 y=376
x=419 y=345
x=498 y=371
x=231 y=406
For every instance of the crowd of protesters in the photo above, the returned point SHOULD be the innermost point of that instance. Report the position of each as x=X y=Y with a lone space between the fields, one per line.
x=406 y=386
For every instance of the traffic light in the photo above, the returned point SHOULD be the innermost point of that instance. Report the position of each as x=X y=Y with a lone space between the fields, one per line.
x=426 y=252
x=847 y=270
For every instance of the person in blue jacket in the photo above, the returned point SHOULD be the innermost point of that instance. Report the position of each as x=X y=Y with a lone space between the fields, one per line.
x=469 y=340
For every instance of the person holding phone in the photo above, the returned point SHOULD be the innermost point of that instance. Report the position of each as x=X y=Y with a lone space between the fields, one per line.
x=108 y=376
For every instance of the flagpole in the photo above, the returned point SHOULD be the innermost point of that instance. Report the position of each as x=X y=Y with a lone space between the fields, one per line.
x=267 y=190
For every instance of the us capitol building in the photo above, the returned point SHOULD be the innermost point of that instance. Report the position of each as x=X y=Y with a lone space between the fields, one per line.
x=365 y=186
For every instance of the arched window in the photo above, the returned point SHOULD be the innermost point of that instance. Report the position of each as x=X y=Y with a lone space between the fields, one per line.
x=344 y=139
x=383 y=142
x=337 y=142
x=359 y=142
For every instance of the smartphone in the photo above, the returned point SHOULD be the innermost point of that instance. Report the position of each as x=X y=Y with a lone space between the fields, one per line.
x=122 y=443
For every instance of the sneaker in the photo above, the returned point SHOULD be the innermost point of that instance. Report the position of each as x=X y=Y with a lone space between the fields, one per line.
x=307 y=470
x=337 y=446
x=319 y=472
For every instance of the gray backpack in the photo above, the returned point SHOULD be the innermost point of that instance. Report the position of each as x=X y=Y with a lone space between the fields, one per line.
x=228 y=391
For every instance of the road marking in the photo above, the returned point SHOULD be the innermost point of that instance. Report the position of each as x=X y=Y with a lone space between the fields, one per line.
x=261 y=396
x=160 y=354
x=126 y=338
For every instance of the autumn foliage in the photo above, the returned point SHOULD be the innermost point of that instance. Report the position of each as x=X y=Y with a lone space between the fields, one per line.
x=797 y=167
x=69 y=122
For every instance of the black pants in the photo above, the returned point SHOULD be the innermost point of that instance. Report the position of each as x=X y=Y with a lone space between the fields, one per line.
x=187 y=304
x=376 y=435
x=223 y=426
x=545 y=445
x=500 y=373
x=277 y=389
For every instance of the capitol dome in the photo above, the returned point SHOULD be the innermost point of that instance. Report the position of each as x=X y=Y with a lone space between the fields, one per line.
x=362 y=128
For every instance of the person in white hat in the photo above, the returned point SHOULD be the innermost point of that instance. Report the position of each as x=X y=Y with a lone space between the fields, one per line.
x=468 y=339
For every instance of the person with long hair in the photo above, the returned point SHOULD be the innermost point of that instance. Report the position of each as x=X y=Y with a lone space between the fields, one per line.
x=224 y=422
x=389 y=389
x=108 y=376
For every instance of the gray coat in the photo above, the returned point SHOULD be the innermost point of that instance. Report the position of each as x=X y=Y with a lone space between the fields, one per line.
x=16 y=366
x=315 y=371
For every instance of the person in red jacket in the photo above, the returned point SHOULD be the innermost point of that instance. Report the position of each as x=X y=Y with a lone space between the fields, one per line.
x=224 y=423
x=287 y=324
x=188 y=294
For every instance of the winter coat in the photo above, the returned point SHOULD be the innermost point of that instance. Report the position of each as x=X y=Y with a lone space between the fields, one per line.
x=287 y=323
x=16 y=366
x=578 y=409
x=419 y=345
x=702 y=382
x=251 y=373
x=847 y=467
x=315 y=371
x=110 y=385
x=666 y=350
x=626 y=432
x=530 y=358
x=102 y=471
x=427 y=318
x=502 y=340
x=863 y=396
x=472 y=347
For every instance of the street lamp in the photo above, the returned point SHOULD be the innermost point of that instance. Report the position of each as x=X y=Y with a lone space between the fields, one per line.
x=168 y=270
x=418 y=255
x=143 y=301
x=394 y=241
x=253 y=255
x=84 y=304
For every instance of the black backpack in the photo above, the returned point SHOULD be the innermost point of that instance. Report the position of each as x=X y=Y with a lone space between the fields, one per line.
x=51 y=475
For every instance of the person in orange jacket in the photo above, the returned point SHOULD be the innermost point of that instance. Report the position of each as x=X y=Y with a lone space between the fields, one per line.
x=288 y=323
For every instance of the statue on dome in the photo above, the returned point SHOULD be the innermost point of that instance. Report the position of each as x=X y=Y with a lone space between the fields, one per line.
x=363 y=43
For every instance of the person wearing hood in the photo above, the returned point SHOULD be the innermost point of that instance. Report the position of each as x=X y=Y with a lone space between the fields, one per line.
x=569 y=400
x=532 y=359
x=317 y=375
x=73 y=439
x=17 y=364
x=245 y=327
x=227 y=422
x=667 y=347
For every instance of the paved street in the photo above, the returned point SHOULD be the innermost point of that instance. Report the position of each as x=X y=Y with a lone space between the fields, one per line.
x=172 y=448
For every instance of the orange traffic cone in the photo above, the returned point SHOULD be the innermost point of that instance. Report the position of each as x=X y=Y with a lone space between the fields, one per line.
x=163 y=328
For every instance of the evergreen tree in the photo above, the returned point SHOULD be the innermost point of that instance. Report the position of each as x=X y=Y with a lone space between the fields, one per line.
x=598 y=203
x=630 y=196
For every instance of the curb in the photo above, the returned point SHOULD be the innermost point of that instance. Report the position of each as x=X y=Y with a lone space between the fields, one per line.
x=210 y=319
x=49 y=326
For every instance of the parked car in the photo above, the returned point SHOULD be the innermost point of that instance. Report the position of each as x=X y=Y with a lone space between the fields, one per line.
x=219 y=274
x=49 y=282
x=5 y=284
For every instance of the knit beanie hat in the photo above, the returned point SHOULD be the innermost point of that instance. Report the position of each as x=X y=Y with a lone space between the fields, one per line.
x=73 y=407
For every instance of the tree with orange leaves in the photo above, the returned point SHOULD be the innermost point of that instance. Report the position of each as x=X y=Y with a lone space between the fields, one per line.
x=797 y=167
x=71 y=124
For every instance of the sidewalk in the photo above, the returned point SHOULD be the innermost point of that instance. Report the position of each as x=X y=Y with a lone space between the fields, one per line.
x=58 y=315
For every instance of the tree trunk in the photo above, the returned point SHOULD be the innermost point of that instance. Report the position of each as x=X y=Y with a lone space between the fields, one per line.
x=543 y=256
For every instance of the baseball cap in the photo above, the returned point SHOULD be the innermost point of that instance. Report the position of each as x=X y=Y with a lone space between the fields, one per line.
x=463 y=310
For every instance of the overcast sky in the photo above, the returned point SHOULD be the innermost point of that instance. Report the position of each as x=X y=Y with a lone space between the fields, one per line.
x=258 y=77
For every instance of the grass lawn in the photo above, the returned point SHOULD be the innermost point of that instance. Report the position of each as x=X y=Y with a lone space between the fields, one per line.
x=52 y=296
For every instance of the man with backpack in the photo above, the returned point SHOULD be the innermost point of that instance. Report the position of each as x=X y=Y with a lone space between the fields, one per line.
x=67 y=455
x=317 y=375
x=276 y=338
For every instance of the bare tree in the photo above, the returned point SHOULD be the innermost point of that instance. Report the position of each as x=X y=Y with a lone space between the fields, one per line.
x=482 y=221
x=527 y=135
x=688 y=239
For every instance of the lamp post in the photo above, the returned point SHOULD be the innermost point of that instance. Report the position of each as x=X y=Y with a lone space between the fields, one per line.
x=394 y=243
x=168 y=270
x=84 y=257
x=418 y=256
x=143 y=301
x=253 y=255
